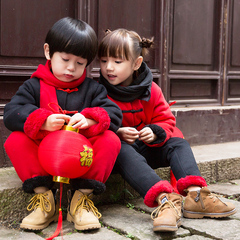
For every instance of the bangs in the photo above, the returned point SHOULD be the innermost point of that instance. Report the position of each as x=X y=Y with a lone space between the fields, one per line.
x=79 y=45
x=116 y=46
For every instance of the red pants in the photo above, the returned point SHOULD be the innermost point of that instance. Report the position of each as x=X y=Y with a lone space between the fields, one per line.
x=23 y=153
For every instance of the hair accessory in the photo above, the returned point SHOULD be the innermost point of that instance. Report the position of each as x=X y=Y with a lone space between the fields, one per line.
x=107 y=31
x=146 y=43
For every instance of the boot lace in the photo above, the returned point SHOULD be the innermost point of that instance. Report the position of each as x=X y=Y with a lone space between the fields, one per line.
x=155 y=213
x=87 y=204
x=214 y=196
x=40 y=200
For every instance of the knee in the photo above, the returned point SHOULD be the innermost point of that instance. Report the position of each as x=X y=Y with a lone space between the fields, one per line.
x=111 y=138
x=14 y=138
x=178 y=142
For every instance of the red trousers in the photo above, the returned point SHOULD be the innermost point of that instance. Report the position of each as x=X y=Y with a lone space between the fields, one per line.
x=23 y=153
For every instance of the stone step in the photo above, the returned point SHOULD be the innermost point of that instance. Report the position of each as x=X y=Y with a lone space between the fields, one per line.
x=217 y=162
x=132 y=220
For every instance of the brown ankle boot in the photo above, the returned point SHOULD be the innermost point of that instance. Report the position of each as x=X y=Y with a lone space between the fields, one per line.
x=83 y=212
x=203 y=203
x=167 y=217
x=44 y=212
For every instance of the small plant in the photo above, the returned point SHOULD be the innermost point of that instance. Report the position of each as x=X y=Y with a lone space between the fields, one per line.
x=130 y=206
x=130 y=236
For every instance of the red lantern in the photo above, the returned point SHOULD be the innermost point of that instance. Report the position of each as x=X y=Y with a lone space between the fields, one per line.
x=65 y=154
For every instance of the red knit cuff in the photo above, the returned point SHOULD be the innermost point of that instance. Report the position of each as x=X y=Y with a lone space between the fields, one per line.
x=98 y=114
x=184 y=183
x=160 y=187
x=34 y=122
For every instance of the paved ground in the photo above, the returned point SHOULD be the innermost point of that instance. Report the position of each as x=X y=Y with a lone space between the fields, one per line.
x=132 y=221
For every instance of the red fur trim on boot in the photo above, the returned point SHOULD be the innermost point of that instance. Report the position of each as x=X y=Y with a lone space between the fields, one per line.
x=184 y=183
x=34 y=122
x=98 y=114
x=155 y=190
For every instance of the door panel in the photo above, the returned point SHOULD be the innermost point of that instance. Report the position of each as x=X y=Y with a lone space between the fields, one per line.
x=194 y=58
x=232 y=95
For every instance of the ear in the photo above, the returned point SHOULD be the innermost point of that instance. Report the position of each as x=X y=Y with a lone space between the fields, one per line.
x=46 y=51
x=138 y=63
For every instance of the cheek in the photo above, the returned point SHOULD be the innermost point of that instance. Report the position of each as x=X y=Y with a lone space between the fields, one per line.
x=80 y=72
x=56 y=68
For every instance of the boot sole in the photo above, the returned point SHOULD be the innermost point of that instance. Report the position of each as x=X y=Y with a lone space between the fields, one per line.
x=167 y=228
x=84 y=227
x=189 y=214
x=39 y=227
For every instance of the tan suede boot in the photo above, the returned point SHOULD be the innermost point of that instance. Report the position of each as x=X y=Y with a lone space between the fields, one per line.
x=44 y=212
x=83 y=212
x=167 y=217
x=203 y=203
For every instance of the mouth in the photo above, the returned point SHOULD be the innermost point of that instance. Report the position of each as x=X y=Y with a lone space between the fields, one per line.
x=111 y=77
x=69 y=76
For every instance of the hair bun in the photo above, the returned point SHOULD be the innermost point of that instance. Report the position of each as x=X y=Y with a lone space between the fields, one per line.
x=146 y=43
x=107 y=31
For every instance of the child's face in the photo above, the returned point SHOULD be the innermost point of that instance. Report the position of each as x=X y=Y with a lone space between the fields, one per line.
x=67 y=67
x=117 y=71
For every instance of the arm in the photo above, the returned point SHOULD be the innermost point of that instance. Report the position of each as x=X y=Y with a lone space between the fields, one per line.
x=22 y=104
x=161 y=120
x=105 y=113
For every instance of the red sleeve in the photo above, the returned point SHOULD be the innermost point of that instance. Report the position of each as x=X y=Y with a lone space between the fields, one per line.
x=160 y=114
x=98 y=114
x=34 y=122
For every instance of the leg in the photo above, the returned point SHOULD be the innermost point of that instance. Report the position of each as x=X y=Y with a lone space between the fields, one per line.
x=135 y=170
x=23 y=153
x=198 y=203
x=106 y=147
x=82 y=211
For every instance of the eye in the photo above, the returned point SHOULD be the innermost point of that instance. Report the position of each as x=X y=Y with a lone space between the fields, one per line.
x=118 y=61
x=79 y=63
x=103 y=60
x=65 y=59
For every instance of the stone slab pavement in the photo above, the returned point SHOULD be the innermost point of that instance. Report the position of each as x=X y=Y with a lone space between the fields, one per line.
x=132 y=220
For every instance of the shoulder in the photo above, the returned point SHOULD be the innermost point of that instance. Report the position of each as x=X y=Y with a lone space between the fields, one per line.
x=92 y=84
x=90 y=81
x=156 y=91
x=31 y=84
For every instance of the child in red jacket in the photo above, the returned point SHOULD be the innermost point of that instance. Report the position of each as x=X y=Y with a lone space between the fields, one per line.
x=150 y=138
x=59 y=93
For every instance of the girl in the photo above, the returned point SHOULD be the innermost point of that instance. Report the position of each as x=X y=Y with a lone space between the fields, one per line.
x=150 y=138
x=57 y=93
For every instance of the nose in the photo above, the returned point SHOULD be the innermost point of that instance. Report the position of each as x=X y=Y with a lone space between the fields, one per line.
x=71 y=67
x=109 y=66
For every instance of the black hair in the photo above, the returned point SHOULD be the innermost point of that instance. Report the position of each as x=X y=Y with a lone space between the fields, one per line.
x=72 y=36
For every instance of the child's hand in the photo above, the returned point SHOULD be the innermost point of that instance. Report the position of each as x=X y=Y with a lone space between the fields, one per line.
x=79 y=121
x=55 y=122
x=147 y=135
x=128 y=134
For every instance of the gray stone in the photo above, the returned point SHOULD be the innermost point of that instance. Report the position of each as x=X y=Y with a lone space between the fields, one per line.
x=227 y=229
x=230 y=188
x=101 y=234
x=211 y=152
x=9 y=179
x=12 y=234
x=135 y=223
x=193 y=237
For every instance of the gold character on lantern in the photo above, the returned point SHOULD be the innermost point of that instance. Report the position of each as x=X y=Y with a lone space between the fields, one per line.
x=86 y=156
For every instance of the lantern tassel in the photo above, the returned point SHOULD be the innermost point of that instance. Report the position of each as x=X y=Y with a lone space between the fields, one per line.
x=59 y=226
